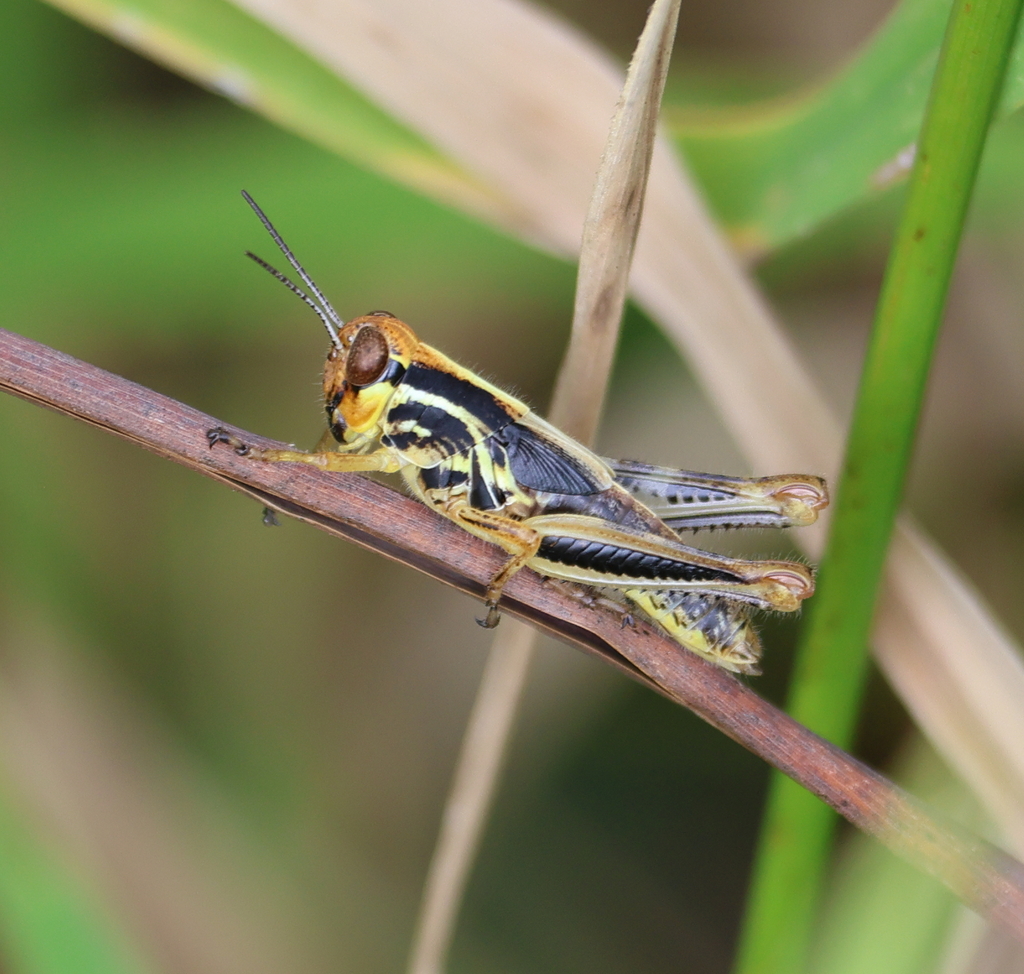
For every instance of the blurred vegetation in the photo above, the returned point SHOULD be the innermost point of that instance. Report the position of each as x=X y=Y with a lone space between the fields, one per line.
x=833 y=655
x=292 y=705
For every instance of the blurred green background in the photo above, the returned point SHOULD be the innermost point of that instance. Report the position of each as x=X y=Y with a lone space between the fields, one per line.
x=226 y=747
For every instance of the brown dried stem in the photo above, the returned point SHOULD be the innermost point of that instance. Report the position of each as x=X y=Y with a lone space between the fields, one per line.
x=471 y=794
x=385 y=521
x=609 y=238
x=610 y=231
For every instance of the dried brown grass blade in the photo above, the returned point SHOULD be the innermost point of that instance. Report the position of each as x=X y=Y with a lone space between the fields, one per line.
x=522 y=100
x=471 y=795
x=610 y=231
x=609 y=238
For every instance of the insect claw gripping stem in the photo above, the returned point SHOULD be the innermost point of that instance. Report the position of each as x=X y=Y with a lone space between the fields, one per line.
x=493 y=617
x=220 y=435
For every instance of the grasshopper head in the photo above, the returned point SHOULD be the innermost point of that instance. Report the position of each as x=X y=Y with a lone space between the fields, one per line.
x=368 y=356
x=362 y=372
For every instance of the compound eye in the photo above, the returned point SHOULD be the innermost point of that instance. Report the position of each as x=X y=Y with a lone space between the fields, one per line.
x=367 y=358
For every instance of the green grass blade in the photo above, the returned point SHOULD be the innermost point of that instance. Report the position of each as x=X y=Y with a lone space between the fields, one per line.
x=775 y=172
x=50 y=924
x=772 y=172
x=832 y=660
x=882 y=915
x=221 y=47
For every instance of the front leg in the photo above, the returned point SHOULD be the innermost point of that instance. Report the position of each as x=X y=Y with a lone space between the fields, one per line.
x=383 y=460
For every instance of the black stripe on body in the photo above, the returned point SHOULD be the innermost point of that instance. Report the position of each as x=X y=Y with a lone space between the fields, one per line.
x=616 y=560
x=540 y=464
x=460 y=392
x=441 y=477
x=448 y=431
x=483 y=495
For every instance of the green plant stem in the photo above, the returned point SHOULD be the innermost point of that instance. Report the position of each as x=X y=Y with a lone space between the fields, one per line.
x=832 y=659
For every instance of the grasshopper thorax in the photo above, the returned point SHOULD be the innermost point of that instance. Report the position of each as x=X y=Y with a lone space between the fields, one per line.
x=362 y=372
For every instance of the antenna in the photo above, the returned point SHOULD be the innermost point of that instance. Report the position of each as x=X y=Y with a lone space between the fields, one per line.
x=325 y=312
x=297 y=290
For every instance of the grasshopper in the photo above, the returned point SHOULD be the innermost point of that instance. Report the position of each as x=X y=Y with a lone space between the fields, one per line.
x=486 y=461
